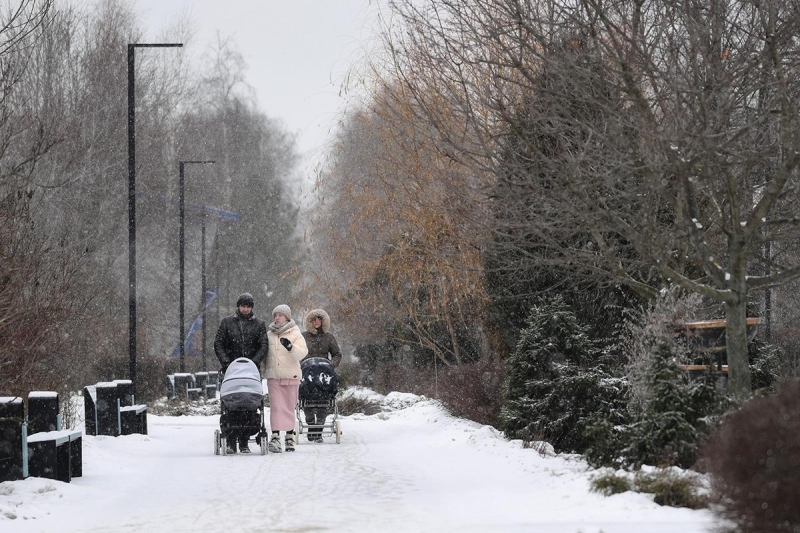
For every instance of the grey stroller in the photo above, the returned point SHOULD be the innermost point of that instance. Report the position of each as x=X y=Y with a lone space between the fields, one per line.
x=241 y=407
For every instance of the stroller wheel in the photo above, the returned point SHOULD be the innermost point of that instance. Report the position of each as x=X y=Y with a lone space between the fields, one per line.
x=216 y=442
x=338 y=429
x=263 y=444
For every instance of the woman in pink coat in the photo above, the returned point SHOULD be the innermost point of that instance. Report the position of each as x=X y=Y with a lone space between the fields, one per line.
x=285 y=348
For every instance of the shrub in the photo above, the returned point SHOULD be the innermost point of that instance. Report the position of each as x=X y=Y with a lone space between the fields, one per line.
x=473 y=391
x=390 y=376
x=754 y=461
x=668 y=487
x=352 y=405
x=672 y=489
x=609 y=483
x=605 y=442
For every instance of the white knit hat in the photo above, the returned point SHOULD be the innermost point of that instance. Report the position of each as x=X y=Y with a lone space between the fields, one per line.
x=284 y=310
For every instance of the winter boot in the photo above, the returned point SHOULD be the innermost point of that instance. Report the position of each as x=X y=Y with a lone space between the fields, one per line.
x=243 y=447
x=275 y=443
x=289 y=441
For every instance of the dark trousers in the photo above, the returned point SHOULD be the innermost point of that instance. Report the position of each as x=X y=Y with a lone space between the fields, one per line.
x=315 y=416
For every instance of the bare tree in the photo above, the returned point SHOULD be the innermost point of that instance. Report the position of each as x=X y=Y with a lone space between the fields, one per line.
x=20 y=20
x=395 y=231
x=653 y=141
x=255 y=163
x=37 y=273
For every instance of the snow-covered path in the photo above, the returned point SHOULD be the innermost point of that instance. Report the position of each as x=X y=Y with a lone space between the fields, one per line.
x=414 y=469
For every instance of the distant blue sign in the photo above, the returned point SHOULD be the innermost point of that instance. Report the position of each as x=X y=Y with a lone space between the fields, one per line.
x=196 y=208
x=197 y=324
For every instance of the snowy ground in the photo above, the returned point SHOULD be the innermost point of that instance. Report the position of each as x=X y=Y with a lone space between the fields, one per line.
x=412 y=468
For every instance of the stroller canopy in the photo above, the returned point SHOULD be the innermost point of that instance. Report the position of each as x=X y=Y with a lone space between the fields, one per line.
x=241 y=387
x=320 y=382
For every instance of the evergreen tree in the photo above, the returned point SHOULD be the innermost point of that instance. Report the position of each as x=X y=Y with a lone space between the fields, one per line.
x=665 y=435
x=676 y=418
x=556 y=382
x=767 y=364
x=525 y=256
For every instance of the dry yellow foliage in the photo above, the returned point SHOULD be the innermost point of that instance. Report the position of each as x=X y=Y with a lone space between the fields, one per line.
x=397 y=238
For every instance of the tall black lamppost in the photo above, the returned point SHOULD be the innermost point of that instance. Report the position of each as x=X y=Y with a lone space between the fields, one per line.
x=181 y=187
x=132 y=202
x=203 y=282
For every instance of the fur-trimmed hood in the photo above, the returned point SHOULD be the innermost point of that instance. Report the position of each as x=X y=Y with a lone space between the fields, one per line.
x=309 y=321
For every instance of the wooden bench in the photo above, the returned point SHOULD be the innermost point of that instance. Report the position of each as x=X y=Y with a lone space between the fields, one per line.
x=704 y=368
x=709 y=336
x=56 y=454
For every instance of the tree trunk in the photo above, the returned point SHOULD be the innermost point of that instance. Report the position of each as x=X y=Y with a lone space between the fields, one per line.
x=736 y=347
x=453 y=339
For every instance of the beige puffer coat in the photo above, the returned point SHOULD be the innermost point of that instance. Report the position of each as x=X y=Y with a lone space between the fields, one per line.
x=281 y=363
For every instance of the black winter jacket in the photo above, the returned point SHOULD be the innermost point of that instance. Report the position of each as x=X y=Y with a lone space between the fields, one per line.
x=240 y=336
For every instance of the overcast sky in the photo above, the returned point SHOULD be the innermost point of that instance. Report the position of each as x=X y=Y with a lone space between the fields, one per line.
x=297 y=51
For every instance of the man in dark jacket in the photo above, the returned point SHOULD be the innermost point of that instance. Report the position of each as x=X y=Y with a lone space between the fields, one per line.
x=240 y=335
x=321 y=343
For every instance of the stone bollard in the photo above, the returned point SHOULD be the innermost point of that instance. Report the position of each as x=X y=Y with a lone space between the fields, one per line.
x=207 y=383
x=169 y=387
x=201 y=379
x=90 y=409
x=108 y=422
x=133 y=419
x=124 y=392
x=211 y=391
x=213 y=385
x=183 y=382
x=43 y=412
x=13 y=439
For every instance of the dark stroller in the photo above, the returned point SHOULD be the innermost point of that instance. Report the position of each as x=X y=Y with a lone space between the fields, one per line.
x=318 y=390
x=242 y=407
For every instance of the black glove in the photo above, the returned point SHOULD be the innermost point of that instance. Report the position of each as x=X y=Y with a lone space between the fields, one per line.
x=286 y=344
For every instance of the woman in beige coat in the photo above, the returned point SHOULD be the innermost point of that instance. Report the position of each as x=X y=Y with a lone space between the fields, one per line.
x=285 y=348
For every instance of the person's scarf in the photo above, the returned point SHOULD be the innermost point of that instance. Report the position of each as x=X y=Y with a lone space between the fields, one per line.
x=275 y=328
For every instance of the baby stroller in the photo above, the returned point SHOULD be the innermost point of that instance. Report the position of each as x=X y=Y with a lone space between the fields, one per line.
x=242 y=407
x=317 y=396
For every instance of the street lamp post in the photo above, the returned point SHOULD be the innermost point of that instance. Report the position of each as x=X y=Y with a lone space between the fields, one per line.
x=181 y=202
x=203 y=282
x=132 y=202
